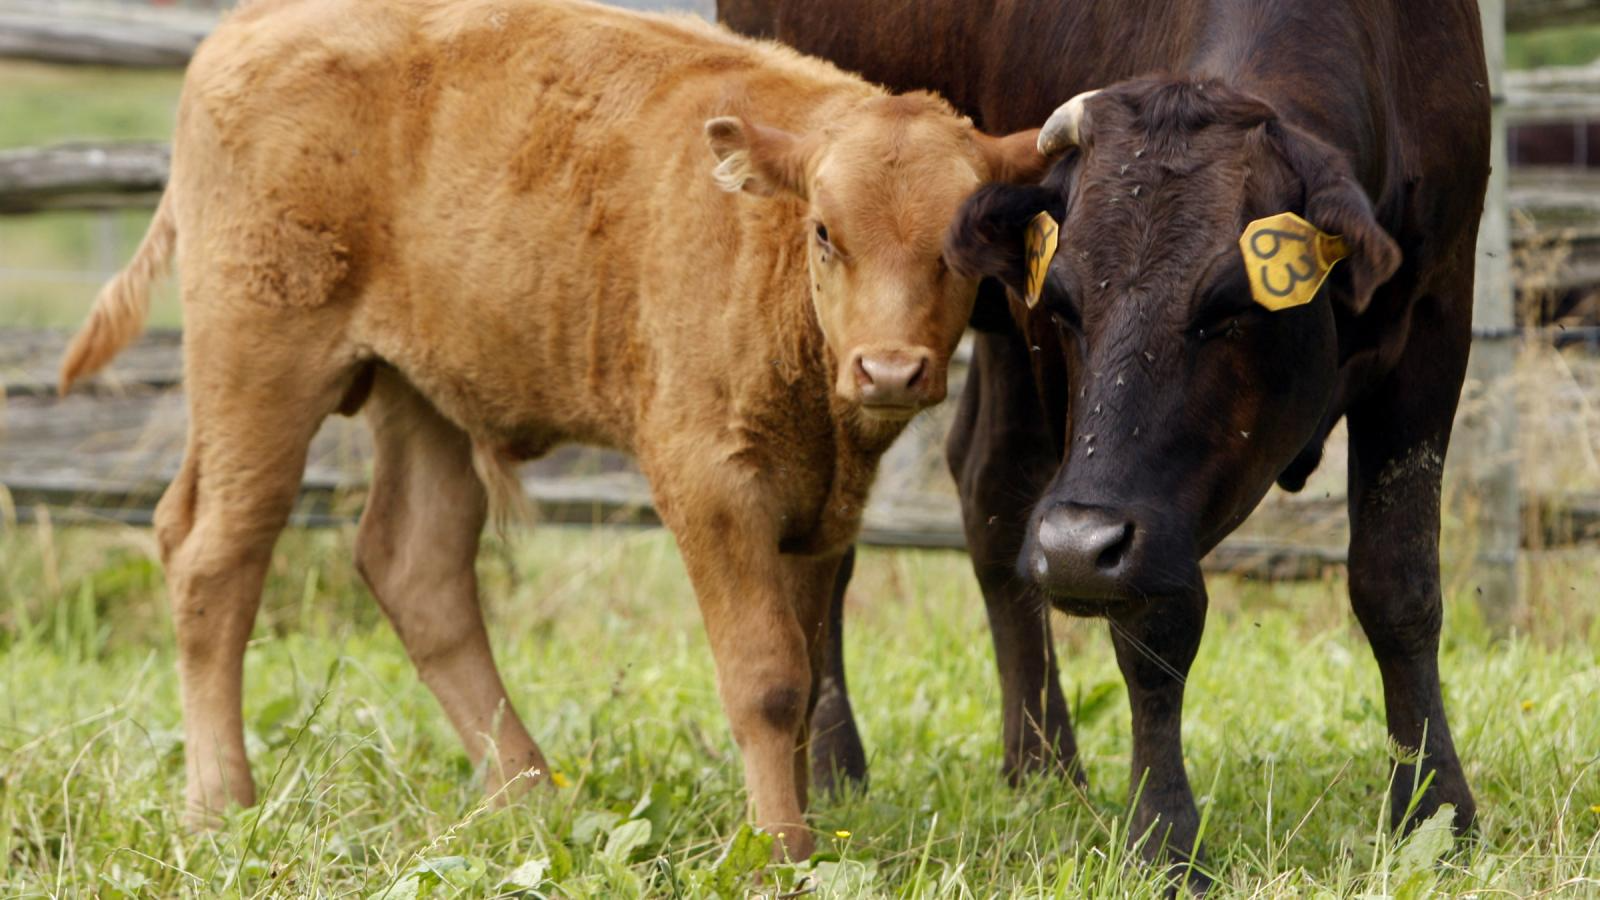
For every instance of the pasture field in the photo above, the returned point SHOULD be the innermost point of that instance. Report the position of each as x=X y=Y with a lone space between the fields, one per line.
x=365 y=789
x=366 y=792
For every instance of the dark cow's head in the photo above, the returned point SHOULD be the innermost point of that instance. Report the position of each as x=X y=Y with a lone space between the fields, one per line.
x=1181 y=398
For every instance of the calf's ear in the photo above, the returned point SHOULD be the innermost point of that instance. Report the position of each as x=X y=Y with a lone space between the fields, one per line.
x=987 y=238
x=755 y=158
x=1013 y=159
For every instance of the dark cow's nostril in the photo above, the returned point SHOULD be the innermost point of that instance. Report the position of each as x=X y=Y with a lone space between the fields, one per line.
x=1084 y=551
x=1113 y=555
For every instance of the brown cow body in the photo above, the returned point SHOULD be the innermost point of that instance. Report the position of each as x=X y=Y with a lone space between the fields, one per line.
x=496 y=227
x=1173 y=403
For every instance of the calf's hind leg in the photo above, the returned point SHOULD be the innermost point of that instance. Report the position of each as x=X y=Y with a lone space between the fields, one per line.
x=252 y=417
x=416 y=548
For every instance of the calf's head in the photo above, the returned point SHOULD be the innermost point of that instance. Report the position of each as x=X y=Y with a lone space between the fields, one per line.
x=879 y=186
x=1181 y=396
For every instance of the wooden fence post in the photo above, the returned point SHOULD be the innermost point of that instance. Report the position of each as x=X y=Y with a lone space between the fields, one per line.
x=1486 y=436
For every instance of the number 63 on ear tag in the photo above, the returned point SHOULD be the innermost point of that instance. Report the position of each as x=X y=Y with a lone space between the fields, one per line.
x=1288 y=259
x=1043 y=234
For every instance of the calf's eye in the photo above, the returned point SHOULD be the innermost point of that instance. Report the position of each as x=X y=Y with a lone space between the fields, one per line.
x=822 y=233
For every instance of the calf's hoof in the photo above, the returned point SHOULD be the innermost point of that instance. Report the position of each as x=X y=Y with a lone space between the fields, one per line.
x=793 y=843
x=200 y=816
x=516 y=775
x=206 y=806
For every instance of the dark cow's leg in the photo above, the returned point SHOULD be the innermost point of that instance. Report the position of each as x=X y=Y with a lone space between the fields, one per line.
x=1001 y=454
x=1397 y=447
x=837 y=758
x=1155 y=646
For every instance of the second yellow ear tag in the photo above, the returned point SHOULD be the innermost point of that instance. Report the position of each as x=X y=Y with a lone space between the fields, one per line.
x=1043 y=234
x=1287 y=259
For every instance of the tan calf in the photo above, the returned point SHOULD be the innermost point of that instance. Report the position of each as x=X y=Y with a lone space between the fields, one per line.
x=496 y=226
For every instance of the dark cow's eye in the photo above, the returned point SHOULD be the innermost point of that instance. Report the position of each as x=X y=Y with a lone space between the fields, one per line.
x=1220 y=323
x=1226 y=307
x=822 y=234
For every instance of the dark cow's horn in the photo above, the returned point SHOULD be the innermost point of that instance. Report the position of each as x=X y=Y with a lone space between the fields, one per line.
x=1061 y=130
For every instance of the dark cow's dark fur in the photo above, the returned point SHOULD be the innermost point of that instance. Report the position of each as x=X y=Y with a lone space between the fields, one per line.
x=1147 y=403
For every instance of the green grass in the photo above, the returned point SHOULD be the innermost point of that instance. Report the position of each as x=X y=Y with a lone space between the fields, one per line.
x=46 y=104
x=364 y=785
x=1572 y=45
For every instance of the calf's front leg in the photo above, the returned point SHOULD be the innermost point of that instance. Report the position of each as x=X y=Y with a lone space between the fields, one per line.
x=761 y=633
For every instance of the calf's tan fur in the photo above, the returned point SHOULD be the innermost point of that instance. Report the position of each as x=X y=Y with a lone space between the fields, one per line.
x=499 y=225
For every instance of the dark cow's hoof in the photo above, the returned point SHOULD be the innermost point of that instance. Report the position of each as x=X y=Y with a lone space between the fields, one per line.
x=1017 y=775
x=1188 y=879
x=1448 y=785
x=1026 y=763
x=838 y=763
x=1183 y=877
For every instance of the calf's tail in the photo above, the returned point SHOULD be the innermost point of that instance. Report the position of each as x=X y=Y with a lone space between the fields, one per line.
x=508 y=502
x=123 y=303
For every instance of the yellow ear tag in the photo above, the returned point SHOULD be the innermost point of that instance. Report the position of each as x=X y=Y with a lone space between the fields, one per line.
x=1043 y=233
x=1287 y=259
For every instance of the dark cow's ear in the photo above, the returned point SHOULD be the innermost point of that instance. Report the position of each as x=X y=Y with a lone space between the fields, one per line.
x=1343 y=209
x=756 y=158
x=987 y=240
x=1336 y=204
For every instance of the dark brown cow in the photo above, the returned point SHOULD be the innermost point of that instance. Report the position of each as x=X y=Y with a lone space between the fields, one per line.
x=1171 y=400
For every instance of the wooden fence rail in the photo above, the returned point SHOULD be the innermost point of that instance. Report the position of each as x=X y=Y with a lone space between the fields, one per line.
x=99 y=36
x=82 y=176
x=105 y=454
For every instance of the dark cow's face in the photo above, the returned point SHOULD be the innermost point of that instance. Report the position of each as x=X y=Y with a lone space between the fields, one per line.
x=1183 y=397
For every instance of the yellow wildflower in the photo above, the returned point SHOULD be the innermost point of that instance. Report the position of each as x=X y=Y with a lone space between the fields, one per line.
x=559 y=780
x=841 y=834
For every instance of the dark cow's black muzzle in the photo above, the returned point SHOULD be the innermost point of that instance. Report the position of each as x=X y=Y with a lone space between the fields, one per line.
x=1092 y=556
x=1084 y=552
